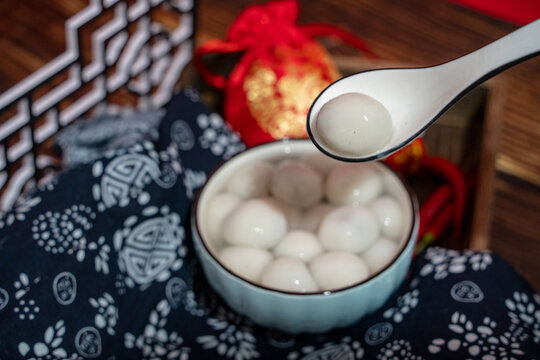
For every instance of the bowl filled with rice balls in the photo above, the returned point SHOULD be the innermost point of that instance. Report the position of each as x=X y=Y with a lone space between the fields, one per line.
x=301 y=242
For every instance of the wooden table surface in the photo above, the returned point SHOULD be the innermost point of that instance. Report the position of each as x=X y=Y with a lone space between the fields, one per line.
x=417 y=32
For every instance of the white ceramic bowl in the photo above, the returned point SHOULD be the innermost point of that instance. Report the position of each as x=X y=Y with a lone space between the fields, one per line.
x=293 y=312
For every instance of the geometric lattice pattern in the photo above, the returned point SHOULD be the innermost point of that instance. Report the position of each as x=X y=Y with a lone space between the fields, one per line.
x=117 y=52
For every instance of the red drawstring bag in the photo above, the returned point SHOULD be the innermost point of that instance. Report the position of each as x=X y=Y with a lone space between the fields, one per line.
x=282 y=70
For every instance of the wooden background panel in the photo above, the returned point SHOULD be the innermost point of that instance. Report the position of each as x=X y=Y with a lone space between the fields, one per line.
x=418 y=32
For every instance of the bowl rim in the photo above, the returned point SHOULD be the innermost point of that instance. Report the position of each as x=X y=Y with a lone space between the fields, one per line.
x=413 y=201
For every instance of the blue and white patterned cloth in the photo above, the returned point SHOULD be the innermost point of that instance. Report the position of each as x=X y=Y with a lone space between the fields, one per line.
x=86 y=140
x=99 y=264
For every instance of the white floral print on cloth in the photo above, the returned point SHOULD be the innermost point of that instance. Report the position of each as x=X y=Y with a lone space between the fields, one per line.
x=150 y=246
x=467 y=291
x=235 y=337
x=192 y=94
x=107 y=315
x=49 y=348
x=25 y=307
x=524 y=311
x=198 y=298
x=64 y=232
x=485 y=341
x=347 y=348
x=182 y=135
x=397 y=350
x=216 y=137
x=192 y=181
x=156 y=343
x=53 y=339
x=20 y=210
x=443 y=262
x=4 y=298
x=405 y=303
x=65 y=288
x=378 y=333
x=179 y=294
x=127 y=174
x=88 y=342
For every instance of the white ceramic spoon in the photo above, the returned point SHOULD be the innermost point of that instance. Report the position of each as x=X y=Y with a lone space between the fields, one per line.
x=416 y=97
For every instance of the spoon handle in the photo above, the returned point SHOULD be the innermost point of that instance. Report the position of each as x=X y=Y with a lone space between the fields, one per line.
x=493 y=58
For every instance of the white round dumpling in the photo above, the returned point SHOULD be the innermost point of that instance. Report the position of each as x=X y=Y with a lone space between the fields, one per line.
x=218 y=208
x=338 y=269
x=314 y=216
x=322 y=163
x=296 y=184
x=246 y=262
x=251 y=181
x=300 y=244
x=349 y=228
x=389 y=215
x=354 y=124
x=257 y=223
x=379 y=254
x=353 y=183
x=288 y=274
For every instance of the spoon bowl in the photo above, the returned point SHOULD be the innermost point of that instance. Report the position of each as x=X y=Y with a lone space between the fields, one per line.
x=417 y=97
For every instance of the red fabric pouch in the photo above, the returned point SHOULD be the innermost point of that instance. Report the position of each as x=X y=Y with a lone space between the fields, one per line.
x=282 y=70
